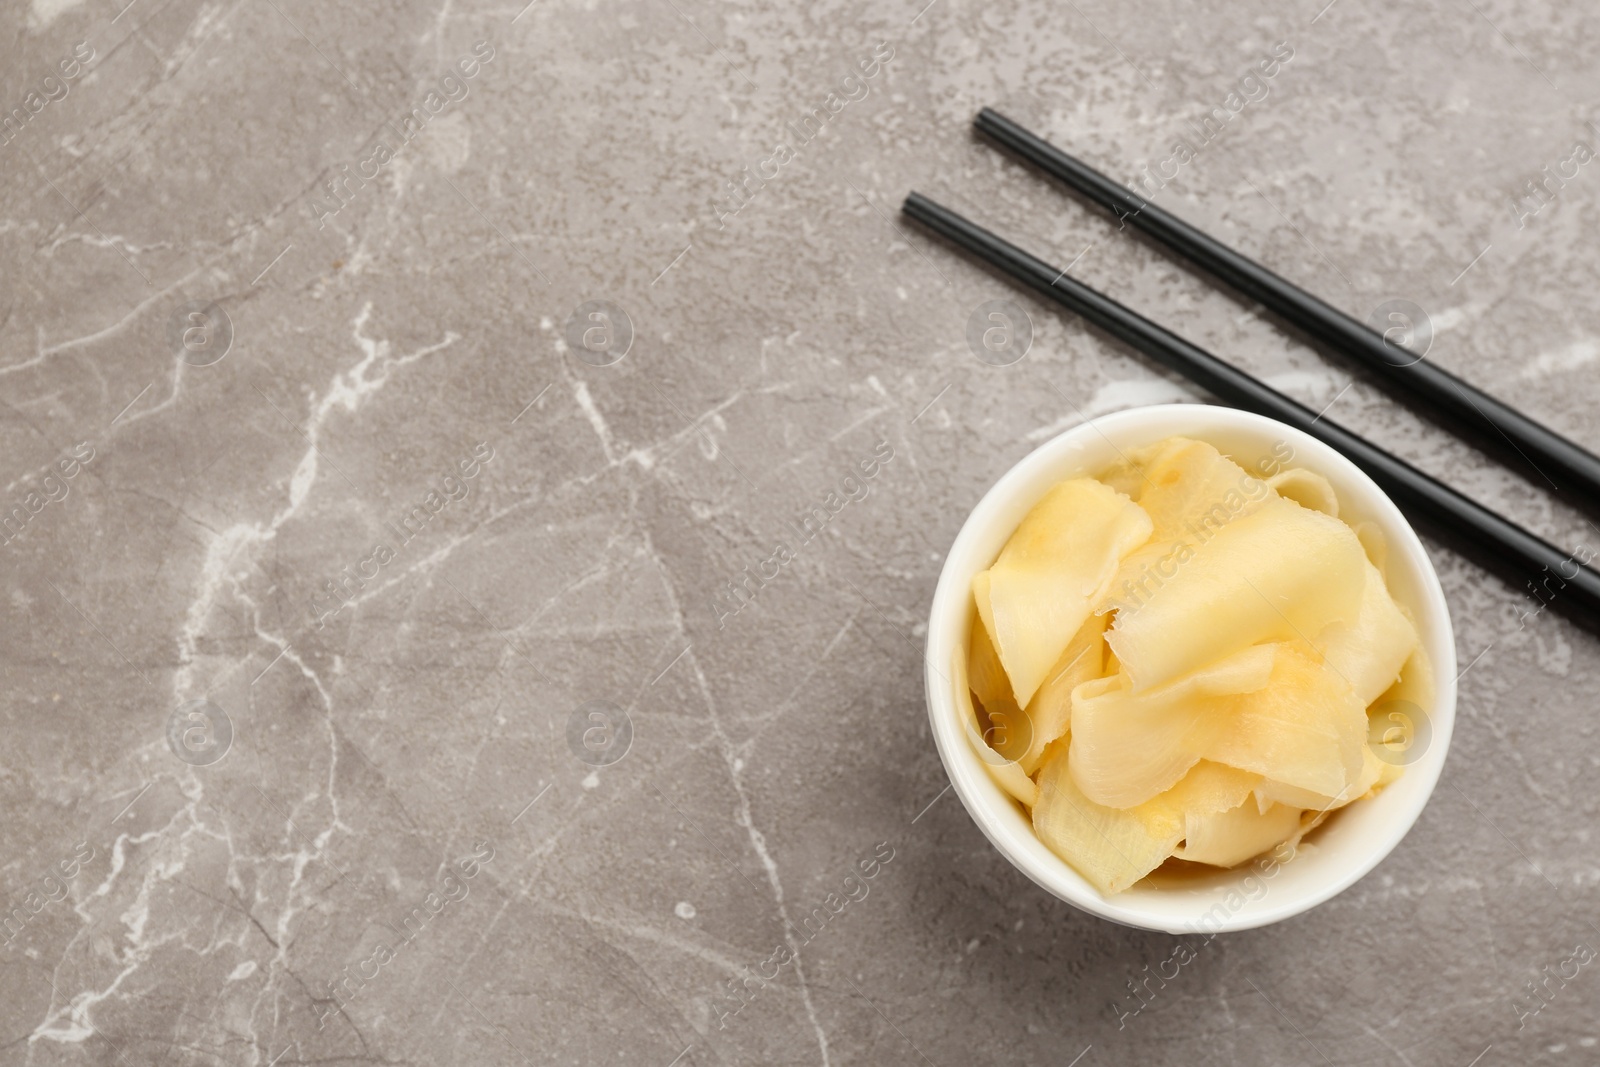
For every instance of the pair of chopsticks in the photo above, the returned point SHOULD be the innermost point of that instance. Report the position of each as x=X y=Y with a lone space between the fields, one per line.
x=1532 y=565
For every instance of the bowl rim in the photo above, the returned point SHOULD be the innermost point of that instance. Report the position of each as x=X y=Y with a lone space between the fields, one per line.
x=949 y=612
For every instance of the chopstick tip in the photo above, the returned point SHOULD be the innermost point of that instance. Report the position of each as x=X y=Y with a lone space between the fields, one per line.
x=987 y=118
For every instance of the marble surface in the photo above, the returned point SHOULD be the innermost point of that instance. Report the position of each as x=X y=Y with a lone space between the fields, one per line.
x=371 y=691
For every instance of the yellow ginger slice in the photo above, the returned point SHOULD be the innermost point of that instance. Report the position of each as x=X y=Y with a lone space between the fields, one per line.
x=1399 y=729
x=1373 y=540
x=1049 y=713
x=1127 y=475
x=1271 y=792
x=1304 y=728
x=1128 y=746
x=1306 y=488
x=1278 y=573
x=1006 y=773
x=1053 y=572
x=1007 y=729
x=1228 y=838
x=989 y=679
x=981 y=600
x=1113 y=848
x=1190 y=491
x=1369 y=650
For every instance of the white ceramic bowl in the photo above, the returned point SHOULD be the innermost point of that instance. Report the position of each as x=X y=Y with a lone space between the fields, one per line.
x=1339 y=853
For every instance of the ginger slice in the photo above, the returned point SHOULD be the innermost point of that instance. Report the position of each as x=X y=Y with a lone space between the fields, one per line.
x=1190 y=491
x=1129 y=746
x=1278 y=573
x=1369 y=650
x=1051 y=574
x=1003 y=725
x=1228 y=838
x=1304 y=728
x=1049 y=713
x=1271 y=792
x=1006 y=773
x=1306 y=488
x=1399 y=730
x=1113 y=847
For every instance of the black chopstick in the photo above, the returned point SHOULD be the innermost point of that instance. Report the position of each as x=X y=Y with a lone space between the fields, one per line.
x=1527 y=562
x=1461 y=408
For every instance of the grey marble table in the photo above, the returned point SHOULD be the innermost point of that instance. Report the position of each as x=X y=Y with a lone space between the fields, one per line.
x=391 y=398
